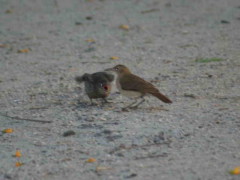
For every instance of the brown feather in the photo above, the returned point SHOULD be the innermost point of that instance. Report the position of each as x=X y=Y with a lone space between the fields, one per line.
x=132 y=82
x=162 y=97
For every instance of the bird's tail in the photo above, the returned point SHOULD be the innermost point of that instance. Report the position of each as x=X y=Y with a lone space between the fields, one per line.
x=161 y=97
x=79 y=79
x=85 y=77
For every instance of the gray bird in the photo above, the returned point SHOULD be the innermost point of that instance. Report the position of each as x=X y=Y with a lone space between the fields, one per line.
x=97 y=85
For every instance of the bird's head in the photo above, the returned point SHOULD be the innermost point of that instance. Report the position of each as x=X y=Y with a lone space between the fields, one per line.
x=119 y=69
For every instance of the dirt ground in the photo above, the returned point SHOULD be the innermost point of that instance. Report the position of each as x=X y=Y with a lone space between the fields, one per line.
x=189 y=49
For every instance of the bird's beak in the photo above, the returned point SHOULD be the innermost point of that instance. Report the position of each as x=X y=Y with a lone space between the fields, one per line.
x=109 y=69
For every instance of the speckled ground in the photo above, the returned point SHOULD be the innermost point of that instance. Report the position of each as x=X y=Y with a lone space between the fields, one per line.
x=196 y=137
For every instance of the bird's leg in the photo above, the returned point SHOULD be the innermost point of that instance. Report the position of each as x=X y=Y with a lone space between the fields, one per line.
x=139 y=102
x=91 y=101
x=130 y=105
x=105 y=100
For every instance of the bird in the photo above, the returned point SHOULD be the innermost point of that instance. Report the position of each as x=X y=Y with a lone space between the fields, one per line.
x=134 y=86
x=97 y=85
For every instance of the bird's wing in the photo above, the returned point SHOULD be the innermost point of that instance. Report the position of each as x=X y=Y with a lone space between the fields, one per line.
x=102 y=77
x=109 y=76
x=132 y=82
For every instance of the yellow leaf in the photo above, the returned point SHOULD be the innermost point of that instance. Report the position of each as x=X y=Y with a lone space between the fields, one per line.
x=91 y=160
x=90 y=40
x=9 y=11
x=23 y=50
x=18 y=153
x=114 y=58
x=235 y=171
x=124 y=26
x=18 y=164
x=9 y=130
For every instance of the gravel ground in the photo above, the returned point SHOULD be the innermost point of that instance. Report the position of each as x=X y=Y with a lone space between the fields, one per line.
x=45 y=44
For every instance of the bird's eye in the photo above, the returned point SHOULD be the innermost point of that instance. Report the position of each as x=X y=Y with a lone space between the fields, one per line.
x=116 y=69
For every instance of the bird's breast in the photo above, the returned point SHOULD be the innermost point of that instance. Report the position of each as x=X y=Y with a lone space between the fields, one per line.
x=131 y=94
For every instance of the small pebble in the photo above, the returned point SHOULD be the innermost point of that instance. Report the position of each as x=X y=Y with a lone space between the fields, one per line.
x=69 y=133
x=190 y=95
x=132 y=175
x=78 y=23
x=106 y=131
x=225 y=22
x=89 y=18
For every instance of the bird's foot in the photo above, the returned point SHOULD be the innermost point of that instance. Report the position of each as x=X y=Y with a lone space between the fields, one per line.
x=133 y=107
x=93 y=103
x=129 y=107
x=104 y=102
x=126 y=109
x=108 y=102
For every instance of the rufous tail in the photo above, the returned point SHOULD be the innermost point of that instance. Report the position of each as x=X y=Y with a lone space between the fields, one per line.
x=161 y=97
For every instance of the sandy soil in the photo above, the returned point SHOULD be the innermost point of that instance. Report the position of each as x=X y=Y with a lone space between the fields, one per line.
x=45 y=44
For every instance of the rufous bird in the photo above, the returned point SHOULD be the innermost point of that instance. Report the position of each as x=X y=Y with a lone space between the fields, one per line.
x=133 y=86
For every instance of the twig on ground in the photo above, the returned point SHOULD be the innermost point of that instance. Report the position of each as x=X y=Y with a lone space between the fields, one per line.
x=25 y=119
x=151 y=156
